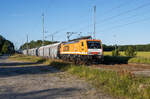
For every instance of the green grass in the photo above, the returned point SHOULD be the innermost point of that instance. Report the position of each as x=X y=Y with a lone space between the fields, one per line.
x=142 y=58
x=20 y=57
x=139 y=54
x=143 y=54
x=120 y=84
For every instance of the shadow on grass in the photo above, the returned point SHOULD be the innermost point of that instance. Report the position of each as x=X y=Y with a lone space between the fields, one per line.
x=108 y=60
x=115 y=60
x=60 y=65
x=22 y=63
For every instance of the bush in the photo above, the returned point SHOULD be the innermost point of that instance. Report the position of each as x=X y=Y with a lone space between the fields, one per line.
x=130 y=52
x=115 y=52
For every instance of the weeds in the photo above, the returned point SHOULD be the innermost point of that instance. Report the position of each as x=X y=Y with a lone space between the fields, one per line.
x=122 y=83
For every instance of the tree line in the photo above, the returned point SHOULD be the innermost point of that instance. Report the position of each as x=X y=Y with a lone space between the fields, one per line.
x=145 y=47
x=36 y=44
x=6 y=46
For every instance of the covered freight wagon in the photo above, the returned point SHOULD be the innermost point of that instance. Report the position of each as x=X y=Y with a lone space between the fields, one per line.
x=51 y=51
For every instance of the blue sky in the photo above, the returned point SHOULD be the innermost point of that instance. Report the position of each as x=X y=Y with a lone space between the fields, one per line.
x=118 y=21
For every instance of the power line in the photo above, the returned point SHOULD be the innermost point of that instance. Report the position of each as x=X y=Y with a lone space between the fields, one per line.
x=63 y=29
x=120 y=14
x=119 y=6
x=109 y=18
x=126 y=24
x=129 y=17
x=126 y=12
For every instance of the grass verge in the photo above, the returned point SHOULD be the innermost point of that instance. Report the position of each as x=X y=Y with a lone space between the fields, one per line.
x=24 y=58
x=140 y=60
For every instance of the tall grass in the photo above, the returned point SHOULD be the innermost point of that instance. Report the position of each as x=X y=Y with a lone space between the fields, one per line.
x=122 y=84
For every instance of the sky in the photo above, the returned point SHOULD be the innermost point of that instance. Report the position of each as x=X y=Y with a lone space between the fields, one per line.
x=117 y=21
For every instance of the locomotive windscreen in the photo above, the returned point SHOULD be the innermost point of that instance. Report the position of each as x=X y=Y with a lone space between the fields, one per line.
x=93 y=45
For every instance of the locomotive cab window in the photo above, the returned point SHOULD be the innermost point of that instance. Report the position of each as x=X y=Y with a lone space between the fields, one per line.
x=82 y=44
x=93 y=45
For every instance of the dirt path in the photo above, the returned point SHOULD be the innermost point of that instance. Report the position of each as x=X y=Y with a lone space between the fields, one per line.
x=20 y=80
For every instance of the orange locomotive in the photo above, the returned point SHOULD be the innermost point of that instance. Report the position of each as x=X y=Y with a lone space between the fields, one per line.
x=82 y=50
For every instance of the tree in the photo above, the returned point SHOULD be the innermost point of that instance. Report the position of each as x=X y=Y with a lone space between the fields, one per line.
x=130 y=51
x=38 y=43
x=5 y=48
x=115 y=52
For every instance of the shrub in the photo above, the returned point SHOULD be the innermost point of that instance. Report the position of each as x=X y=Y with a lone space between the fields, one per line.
x=130 y=52
x=115 y=52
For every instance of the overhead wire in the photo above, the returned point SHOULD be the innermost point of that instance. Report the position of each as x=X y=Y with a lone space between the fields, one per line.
x=109 y=18
x=66 y=28
x=126 y=24
x=120 y=14
x=129 y=17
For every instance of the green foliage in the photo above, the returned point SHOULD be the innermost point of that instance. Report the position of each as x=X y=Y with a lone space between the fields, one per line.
x=130 y=52
x=108 y=48
x=124 y=47
x=34 y=44
x=115 y=52
x=6 y=47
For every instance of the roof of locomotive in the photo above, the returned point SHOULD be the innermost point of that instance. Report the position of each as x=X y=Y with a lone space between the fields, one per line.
x=76 y=41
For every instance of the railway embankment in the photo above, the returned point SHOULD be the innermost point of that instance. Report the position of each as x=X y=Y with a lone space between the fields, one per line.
x=121 y=83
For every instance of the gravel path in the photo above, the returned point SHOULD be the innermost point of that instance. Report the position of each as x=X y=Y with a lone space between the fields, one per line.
x=20 y=80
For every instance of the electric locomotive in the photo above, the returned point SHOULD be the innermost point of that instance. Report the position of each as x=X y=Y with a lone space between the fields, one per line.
x=82 y=50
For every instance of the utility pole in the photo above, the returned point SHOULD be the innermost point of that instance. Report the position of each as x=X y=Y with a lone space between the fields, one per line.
x=43 y=28
x=52 y=37
x=43 y=31
x=94 y=21
x=27 y=45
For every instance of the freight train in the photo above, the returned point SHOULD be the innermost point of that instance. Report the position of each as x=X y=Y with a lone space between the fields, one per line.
x=77 y=50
